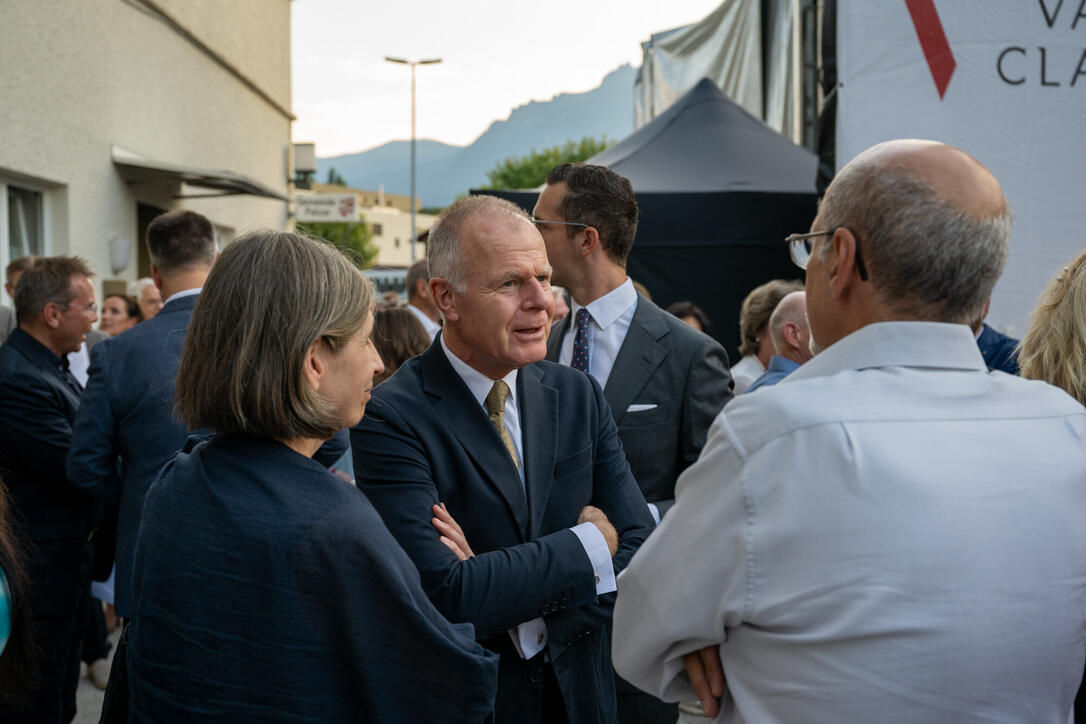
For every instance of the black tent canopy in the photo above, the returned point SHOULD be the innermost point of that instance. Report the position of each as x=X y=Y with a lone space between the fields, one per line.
x=718 y=192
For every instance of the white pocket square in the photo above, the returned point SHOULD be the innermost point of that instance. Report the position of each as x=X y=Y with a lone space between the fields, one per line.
x=640 y=408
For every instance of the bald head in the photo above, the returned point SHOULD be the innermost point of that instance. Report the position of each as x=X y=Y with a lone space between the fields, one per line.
x=931 y=223
x=952 y=174
x=789 y=330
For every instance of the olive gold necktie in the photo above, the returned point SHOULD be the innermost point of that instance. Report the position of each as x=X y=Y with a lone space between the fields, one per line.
x=495 y=408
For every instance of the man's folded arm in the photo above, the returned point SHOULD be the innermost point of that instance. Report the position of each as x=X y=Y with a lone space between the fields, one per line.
x=496 y=590
x=696 y=563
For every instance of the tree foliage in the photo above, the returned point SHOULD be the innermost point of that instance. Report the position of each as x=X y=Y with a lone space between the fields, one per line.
x=335 y=178
x=525 y=172
x=356 y=240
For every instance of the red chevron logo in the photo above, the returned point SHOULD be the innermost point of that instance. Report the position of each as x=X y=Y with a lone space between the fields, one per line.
x=929 y=30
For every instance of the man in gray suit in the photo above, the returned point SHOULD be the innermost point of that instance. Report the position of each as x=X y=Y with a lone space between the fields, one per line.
x=664 y=380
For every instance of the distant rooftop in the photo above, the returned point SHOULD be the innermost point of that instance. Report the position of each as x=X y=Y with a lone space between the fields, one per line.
x=369 y=197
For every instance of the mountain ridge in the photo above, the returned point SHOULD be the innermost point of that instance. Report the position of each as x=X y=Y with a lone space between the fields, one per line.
x=445 y=171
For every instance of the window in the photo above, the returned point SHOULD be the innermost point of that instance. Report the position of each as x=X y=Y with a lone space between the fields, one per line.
x=376 y=229
x=24 y=223
x=397 y=242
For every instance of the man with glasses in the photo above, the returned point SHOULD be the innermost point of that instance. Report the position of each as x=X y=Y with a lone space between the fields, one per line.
x=54 y=303
x=891 y=533
x=664 y=380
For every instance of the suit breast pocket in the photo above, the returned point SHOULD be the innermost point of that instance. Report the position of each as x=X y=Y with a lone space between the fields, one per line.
x=645 y=414
x=573 y=463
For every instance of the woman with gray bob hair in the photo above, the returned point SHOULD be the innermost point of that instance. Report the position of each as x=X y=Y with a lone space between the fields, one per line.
x=265 y=587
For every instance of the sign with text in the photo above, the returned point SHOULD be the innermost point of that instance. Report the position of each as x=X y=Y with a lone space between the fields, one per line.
x=1004 y=80
x=341 y=208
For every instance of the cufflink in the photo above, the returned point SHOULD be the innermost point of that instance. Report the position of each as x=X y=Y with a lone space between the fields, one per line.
x=539 y=640
x=597 y=580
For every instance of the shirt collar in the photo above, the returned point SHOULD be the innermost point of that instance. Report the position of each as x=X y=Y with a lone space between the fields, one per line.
x=607 y=309
x=37 y=352
x=478 y=383
x=897 y=344
x=181 y=294
x=782 y=364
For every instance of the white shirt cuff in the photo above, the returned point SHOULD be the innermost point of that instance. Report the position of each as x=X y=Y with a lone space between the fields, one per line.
x=529 y=638
x=655 y=512
x=596 y=547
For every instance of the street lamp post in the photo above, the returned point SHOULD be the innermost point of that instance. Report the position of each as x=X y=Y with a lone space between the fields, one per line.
x=413 y=63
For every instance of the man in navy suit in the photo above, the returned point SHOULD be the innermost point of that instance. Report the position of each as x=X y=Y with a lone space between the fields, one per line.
x=524 y=456
x=127 y=410
x=54 y=303
x=664 y=380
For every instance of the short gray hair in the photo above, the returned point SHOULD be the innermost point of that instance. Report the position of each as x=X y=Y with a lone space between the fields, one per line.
x=136 y=288
x=443 y=246
x=925 y=256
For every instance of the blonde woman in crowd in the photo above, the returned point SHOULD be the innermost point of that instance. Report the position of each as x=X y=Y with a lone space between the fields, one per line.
x=1054 y=348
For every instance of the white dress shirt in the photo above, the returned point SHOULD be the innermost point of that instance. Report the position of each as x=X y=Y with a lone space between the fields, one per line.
x=531 y=637
x=612 y=315
x=431 y=327
x=890 y=534
x=745 y=371
x=182 y=294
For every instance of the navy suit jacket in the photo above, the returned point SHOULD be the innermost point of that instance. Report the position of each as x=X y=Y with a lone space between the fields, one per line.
x=998 y=350
x=266 y=589
x=127 y=414
x=38 y=403
x=426 y=439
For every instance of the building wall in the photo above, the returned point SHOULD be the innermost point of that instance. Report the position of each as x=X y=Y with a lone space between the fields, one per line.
x=394 y=239
x=82 y=75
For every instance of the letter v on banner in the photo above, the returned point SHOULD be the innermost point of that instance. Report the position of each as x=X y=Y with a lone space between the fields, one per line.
x=929 y=30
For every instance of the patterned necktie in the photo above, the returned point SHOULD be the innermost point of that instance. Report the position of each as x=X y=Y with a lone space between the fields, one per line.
x=583 y=341
x=495 y=408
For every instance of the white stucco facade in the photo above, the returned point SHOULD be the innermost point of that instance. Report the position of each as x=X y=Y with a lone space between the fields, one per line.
x=199 y=84
x=392 y=234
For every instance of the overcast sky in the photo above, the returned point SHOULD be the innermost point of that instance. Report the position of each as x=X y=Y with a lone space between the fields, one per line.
x=496 y=56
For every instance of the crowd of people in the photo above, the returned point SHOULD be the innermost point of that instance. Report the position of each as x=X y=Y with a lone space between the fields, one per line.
x=585 y=516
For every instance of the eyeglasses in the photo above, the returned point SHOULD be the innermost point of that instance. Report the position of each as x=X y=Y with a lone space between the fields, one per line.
x=800 y=248
x=92 y=307
x=542 y=222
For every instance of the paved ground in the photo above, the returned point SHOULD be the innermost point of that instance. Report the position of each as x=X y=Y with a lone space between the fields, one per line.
x=88 y=699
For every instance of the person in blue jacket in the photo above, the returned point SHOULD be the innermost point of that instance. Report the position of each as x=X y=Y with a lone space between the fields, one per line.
x=264 y=587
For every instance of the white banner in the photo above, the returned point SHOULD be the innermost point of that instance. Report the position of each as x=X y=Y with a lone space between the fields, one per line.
x=1004 y=80
x=327 y=207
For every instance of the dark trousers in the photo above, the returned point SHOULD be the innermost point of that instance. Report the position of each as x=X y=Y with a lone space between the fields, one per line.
x=95 y=635
x=115 y=705
x=58 y=635
x=637 y=707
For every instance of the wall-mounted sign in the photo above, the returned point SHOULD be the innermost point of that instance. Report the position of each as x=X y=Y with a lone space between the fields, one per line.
x=343 y=208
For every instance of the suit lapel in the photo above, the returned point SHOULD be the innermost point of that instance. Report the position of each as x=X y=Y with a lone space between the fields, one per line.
x=554 y=342
x=455 y=404
x=638 y=357
x=539 y=423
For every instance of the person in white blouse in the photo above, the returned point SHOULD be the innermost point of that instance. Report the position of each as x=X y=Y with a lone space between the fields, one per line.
x=891 y=533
